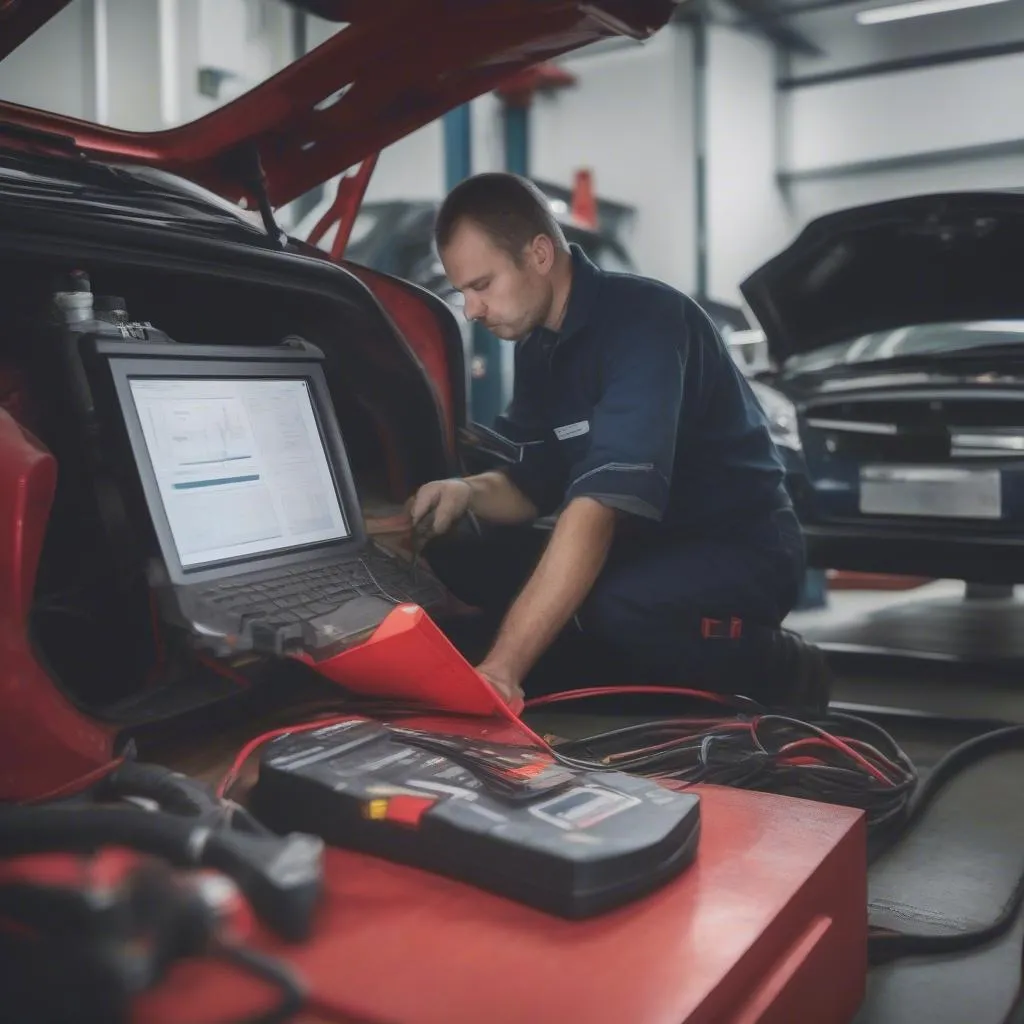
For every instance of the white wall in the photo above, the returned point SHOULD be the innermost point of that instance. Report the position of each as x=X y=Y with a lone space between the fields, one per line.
x=965 y=119
x=252 y=41
x=748 y=218
x=906 y=112
x=629 y=119
x=812 y=198
x=488 y=129
x=412 y=168
x=846 y=44
x=132 y=88
x=64 y=82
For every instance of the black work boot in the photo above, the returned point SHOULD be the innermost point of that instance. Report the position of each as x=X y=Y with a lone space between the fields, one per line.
x=804 y=680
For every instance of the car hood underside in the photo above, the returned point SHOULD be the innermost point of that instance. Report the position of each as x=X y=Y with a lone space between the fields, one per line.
x=930 y=259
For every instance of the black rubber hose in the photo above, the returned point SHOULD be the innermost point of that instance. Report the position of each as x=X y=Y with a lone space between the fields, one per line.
x=888 y=946
x=281 y=875
x=25 y=830
x=946 y=769
x=172 y=791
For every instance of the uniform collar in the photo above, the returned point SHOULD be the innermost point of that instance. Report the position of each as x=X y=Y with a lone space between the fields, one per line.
x=586 y=282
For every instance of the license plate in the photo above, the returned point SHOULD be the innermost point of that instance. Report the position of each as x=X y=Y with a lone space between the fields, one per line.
x=934 y=492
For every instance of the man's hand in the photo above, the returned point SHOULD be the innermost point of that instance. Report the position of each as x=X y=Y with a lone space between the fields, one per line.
x=491 y=496
x=564 y=577
x=448 y=500
x=509 y=688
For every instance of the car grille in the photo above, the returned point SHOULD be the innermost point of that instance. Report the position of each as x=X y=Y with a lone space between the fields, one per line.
x=924 y=429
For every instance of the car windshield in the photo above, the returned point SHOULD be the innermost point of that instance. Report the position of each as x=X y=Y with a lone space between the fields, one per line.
x=923 y=341
x=206 y=53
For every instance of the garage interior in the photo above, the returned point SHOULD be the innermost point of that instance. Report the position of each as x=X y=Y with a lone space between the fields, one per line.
x=696 y=157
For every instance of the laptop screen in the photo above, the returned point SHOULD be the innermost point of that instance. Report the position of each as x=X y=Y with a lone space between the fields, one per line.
x=240 y=465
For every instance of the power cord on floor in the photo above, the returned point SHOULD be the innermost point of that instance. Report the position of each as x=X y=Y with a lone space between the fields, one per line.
x=886 y=946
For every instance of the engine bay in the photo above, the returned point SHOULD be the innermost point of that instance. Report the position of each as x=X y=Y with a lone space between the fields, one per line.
x=92 y=623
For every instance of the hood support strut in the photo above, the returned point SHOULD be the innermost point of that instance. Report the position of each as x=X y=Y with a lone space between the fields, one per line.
x=250 y=168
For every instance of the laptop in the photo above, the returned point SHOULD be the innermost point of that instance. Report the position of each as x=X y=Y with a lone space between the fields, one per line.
x=246 y=480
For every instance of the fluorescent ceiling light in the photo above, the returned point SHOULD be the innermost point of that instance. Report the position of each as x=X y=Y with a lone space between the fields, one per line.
x=916 y=9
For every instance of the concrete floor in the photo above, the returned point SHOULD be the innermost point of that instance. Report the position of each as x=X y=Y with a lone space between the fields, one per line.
x=932 y=652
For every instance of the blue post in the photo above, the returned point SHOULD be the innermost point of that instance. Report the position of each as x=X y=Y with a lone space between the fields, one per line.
x=517 y=139
x=814 y=592
x=458 y=146
x=458 y=165
x=487 y=390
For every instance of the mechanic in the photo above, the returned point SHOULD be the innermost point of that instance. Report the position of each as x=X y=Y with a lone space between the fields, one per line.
x=676 y=553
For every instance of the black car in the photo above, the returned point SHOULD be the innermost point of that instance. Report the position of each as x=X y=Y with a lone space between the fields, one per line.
x=897 y=335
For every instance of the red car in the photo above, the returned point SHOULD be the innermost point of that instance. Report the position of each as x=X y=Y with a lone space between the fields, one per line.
x=166 y=222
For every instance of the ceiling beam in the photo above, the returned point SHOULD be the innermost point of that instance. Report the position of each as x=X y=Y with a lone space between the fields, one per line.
x=755 y=16
x=780 y=13
x=918 y=63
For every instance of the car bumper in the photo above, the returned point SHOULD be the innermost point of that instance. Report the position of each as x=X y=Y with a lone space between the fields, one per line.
x=915 y=551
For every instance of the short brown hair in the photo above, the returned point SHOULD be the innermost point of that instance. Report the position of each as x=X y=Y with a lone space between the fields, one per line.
x=510 y=209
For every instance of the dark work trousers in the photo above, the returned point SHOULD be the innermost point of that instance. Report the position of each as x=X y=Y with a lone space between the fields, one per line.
x=646 y=618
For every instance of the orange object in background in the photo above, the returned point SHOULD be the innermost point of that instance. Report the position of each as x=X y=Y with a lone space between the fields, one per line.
x=584 y=200
x=842 y=579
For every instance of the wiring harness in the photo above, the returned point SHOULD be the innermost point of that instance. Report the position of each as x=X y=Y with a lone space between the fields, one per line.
x=841 y=760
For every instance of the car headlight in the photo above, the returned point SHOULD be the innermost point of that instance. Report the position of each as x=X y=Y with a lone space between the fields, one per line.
x=781 y=414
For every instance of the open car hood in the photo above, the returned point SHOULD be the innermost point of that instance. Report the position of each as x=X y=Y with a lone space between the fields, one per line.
x=929 y=259
x=397 y=65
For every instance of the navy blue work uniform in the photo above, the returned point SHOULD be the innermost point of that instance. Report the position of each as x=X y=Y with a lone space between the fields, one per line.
x=636 y=403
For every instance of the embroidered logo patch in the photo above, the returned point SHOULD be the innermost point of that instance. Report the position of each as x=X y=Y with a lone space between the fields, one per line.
x=571 y=430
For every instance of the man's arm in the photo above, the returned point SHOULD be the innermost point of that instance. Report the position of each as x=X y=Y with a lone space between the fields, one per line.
x=571 y=563
x=495 y=499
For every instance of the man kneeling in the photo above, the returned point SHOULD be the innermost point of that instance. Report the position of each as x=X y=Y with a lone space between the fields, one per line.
x=676 y=553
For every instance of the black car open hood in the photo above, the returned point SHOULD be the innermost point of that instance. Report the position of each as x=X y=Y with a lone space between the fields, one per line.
x=928 y=259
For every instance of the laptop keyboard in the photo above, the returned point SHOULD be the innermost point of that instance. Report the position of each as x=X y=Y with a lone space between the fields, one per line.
x=299 y=593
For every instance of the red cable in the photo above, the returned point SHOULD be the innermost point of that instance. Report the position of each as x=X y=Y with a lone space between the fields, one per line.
x=876 y=753
x=77 y=785
x=247 y=751
x=222 y=670
x=840 y=745
x=803 y=762
x=719 y=727
x=619 y=691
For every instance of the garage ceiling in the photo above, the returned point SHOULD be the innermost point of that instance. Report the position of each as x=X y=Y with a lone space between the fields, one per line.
x=824 y=38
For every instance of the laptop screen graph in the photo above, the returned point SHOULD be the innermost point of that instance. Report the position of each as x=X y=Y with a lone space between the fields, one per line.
x=240 y=465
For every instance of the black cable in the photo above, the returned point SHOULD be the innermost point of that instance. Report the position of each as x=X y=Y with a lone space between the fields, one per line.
x=949 y=766
x=1015 y=1012
x=266 y=968
x=865 y=769
x=893 y=945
